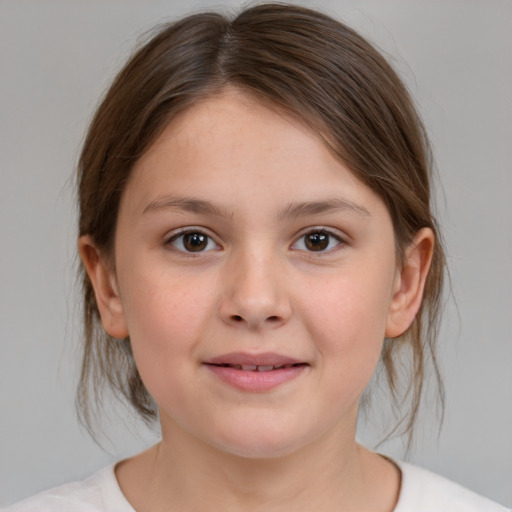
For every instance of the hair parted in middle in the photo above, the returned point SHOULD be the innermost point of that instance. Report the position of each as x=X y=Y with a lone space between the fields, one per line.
x=294 y=60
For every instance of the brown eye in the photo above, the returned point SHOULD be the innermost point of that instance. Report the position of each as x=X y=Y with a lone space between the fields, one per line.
x=193 y=241
x=317 y=241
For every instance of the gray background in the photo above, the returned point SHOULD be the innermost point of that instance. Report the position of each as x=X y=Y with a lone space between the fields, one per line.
x=55 y=60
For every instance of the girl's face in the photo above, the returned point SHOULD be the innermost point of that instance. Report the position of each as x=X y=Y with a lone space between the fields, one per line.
x=242 y=245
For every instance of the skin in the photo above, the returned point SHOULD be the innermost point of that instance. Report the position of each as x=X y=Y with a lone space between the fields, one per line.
x=257 y=287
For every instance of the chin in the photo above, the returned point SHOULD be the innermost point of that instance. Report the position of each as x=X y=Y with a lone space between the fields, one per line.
x=259 y=441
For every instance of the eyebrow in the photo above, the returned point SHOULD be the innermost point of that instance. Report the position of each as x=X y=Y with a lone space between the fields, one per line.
x=188 y=204
x=295 y=209
x=325 y=206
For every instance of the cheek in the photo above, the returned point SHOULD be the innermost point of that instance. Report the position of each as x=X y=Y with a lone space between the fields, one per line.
x=348 y=321
x=350 y=309
x=166 y=317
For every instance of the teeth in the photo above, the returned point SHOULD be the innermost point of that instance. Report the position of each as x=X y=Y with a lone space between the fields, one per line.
x=257 y=368
x=265 y=368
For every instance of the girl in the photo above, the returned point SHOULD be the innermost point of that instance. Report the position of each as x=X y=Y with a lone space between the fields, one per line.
x=256 y=235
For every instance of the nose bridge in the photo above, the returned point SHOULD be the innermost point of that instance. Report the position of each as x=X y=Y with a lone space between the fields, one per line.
x=255 y=292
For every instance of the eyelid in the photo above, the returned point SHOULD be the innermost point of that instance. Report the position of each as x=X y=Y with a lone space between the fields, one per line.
x=341 y=237
x=332 y=232
x=175 y=234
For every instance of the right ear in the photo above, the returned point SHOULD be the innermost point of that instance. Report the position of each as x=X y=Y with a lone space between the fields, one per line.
x=103 y=280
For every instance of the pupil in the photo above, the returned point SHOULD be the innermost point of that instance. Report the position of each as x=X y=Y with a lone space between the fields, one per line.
x=195 y=242
x=317 y=241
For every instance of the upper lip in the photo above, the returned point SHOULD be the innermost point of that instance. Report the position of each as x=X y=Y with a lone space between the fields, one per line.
x=263 y=359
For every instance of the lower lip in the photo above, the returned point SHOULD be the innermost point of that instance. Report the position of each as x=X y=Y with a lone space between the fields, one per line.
x=255 y=381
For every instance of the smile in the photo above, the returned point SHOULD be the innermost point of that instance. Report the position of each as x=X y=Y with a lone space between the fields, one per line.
x=257 y=368
x=255 y=373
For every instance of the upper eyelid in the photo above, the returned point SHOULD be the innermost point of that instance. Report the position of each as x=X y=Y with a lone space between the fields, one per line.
x=169 y=241
x=189 y=229
x=340 y=235
x=342 y=241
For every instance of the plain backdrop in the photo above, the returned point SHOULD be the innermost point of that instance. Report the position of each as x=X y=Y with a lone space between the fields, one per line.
x=56 y=58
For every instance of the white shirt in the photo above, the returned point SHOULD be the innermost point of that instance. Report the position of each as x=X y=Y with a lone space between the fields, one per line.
x=421 y=491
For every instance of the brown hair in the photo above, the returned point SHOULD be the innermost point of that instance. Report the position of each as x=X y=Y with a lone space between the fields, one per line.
x=293 y=59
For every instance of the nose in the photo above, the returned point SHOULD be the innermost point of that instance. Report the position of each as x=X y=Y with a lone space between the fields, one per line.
x=254 y=293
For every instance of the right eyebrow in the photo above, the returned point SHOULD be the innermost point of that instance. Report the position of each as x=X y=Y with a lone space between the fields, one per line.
x=188 y=204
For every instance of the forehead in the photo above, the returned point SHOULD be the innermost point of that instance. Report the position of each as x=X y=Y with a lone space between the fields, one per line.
x=239 y=116
x=230 y=144
x=234 y=123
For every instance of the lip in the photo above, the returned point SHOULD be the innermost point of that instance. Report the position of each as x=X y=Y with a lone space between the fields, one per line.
x=244 y=358
x=253 y=380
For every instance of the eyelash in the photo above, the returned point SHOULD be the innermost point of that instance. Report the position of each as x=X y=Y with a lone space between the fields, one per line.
x=179 y=239
x=190 y=231
x=323 y=232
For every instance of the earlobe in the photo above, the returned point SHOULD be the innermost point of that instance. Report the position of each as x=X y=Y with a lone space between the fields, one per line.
x=410 y=283
x=105 y=288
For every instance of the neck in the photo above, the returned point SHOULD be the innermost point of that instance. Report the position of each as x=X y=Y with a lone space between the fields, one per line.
x=242 y=483
x=183 y=473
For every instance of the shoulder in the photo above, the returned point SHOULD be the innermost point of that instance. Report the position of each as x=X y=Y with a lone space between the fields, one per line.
x=423 y=491
x=98 y=493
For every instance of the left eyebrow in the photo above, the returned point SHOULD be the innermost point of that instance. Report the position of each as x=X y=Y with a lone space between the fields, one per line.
x=317 y=207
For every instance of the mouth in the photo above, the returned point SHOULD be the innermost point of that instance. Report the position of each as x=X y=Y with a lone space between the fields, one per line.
x=255 y=373
x=257 y=368
x=263 y=362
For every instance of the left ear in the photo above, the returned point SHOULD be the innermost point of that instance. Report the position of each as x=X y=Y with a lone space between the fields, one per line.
x=410 y=283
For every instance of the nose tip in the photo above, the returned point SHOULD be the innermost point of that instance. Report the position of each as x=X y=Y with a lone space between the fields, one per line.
x=253 y=314
x=255 y=298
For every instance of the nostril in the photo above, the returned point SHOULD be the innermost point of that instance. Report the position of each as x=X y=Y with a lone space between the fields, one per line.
x=271 y=320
